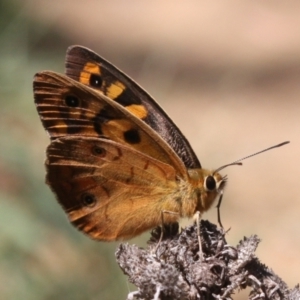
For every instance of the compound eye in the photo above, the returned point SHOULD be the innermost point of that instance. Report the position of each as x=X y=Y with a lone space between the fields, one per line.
x=210 y=183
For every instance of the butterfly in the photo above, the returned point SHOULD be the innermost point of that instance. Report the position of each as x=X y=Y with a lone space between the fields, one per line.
x=116 y=161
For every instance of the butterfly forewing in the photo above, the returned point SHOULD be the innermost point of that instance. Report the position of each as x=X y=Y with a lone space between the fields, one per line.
x=68 y=108
x=87 y=67
x=108 y=190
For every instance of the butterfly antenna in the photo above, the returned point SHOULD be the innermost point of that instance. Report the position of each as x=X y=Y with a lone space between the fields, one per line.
x=238 y=162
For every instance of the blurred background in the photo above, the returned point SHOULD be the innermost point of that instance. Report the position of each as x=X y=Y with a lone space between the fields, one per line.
x=229 y=76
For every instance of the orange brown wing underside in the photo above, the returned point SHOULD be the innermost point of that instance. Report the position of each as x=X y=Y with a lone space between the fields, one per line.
x=108 y=190
x=68 y=108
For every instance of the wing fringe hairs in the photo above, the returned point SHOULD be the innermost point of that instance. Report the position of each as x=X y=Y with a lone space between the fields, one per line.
x=176 y=272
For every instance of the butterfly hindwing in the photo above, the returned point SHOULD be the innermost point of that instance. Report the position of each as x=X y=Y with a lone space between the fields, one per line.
x=105 y=203
x=69 y=108
x=85 y=66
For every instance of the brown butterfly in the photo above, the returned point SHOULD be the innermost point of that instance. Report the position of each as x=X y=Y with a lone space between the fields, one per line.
x=116 y=160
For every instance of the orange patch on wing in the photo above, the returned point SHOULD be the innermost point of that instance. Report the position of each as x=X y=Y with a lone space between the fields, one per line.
x=59 y=127
x=115 y=129
x=115 y=90
x=139 y=111
x=89 y=68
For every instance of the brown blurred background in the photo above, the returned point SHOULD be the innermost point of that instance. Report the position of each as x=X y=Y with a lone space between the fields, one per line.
x=228 y=73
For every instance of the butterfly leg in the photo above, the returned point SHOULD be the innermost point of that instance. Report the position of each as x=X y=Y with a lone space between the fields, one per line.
x=197 y=217
x=162 y=226
x=218 y=207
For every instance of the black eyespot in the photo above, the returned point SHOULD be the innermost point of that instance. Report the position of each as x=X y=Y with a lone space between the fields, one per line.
x=72 y=101
x=96 y=81
x=98 y=151
x=132 y=136
x=88 y=200
x=210 y=183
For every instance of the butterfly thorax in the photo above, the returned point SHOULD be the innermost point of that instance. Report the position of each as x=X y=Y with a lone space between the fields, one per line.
x=205 y=186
